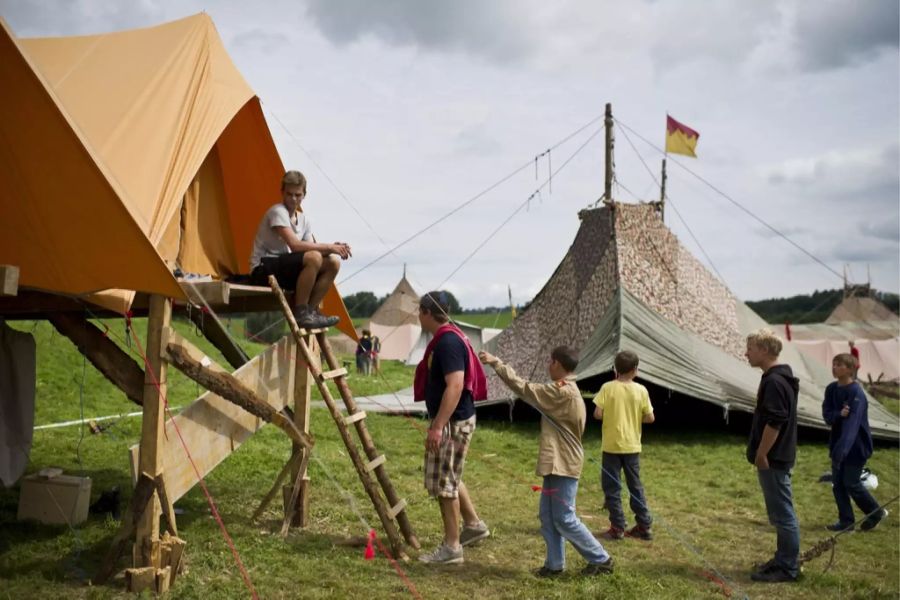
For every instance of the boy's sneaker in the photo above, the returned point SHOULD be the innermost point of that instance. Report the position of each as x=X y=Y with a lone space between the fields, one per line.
x=873 y=521
x=640 y=532
x=838 y=526
x=763 y=567
x=604 y=568
x=547 y=572
x=774 y=574
x=325 y=319
x=474 y=534
x=613 y=533
x=443 y=555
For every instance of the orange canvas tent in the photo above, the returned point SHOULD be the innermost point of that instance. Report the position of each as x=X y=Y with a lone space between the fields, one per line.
x=127 y=154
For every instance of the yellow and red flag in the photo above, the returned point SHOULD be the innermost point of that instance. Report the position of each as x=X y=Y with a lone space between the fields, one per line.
x=680 y=139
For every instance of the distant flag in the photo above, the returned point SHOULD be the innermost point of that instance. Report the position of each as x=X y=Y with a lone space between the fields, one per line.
x=680 y=139
x=512 y=307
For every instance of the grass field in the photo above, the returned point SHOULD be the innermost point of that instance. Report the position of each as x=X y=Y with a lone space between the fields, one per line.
x=708 y=509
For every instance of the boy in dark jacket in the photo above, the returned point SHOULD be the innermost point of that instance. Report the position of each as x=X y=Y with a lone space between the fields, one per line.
x=773 y=449
x=846 y=409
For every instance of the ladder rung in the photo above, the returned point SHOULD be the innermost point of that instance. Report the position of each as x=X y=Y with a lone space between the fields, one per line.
x=375 y=463
x=395 y=510
x=333 y=374
x=358 y=416
x=306 y=332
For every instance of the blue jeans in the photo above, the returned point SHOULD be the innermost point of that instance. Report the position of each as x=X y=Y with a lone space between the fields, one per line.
x=776 y=489
x=560 y=523
x=612 y=488
x=845 y=479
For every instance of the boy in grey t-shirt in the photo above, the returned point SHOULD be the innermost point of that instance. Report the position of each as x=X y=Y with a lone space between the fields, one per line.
x=285 y=247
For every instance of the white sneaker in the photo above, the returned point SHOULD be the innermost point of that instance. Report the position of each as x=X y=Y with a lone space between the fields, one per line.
x=443 y=555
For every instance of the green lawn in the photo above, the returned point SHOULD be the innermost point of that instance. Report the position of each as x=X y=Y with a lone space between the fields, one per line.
x=708 y=509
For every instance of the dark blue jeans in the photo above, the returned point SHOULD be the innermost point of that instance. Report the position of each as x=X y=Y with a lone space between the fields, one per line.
x=846 y=485
x=612 y=488
x=776 y=489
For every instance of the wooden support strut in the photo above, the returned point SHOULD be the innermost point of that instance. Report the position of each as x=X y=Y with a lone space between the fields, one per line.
x=103 y=353
x=379 y=504
x=228 y=387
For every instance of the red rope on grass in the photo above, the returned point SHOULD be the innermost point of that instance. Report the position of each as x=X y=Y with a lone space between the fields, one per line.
x=724 y=586
x=209 y=498
x=409 y=584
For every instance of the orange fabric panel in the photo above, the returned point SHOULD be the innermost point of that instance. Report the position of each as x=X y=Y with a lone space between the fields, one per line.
x=206 y=246
x=61 y=218
x=167 y=93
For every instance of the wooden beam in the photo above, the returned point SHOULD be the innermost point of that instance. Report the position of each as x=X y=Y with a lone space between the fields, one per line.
x=207 y=292
x=152 y=426
x=213 y=427
x=9 y=280
x=302 y=389
x=103 y=353
x=228 y=387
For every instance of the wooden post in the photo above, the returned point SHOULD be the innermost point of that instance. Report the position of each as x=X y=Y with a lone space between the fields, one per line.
x=302 y=389
x=155 y=379
x=608 y=121
x=9 y=280
x=662 y=193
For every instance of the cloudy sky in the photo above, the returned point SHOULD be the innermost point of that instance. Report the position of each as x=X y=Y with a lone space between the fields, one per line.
x=400 y=110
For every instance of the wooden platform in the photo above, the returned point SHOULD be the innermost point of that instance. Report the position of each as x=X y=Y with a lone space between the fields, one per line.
x=220 y=296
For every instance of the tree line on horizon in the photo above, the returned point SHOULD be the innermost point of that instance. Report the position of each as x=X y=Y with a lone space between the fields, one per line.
x=802 y=308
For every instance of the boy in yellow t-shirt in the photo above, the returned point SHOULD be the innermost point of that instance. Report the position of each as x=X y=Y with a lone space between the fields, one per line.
x=624 y=405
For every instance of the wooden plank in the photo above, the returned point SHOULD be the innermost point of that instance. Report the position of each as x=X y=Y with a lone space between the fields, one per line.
x=328 y=375
x=163 y=579
x=9 y=280
x=395 y=510
x=226 y=386
x=140 y=579
x=104 y=354
x=212 y=426
x=152 y=423
x=358 y=416
x=215 y=293
x=375 y=463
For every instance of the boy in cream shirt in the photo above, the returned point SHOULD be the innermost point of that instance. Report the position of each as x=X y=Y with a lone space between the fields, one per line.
x=560 y=460
x=624 y=405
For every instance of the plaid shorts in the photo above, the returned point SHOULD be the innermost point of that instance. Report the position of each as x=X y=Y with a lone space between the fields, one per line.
x=443 y=469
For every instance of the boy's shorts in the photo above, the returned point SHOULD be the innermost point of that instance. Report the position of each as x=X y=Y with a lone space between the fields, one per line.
x=444 y=468
x=285 y=267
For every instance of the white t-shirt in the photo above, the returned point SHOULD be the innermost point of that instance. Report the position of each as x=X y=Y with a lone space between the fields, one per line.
x=269 y=243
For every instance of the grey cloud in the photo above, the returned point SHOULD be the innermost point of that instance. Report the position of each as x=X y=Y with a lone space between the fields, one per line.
x=494 y=29
x=473 y=141
x=870 y=178
x=259 y=39
x=883 y=230
x=59 y=17
x=726 y=31
x=835 y=33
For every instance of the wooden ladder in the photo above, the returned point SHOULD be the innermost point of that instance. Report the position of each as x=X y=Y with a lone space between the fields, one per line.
x=395 y=507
